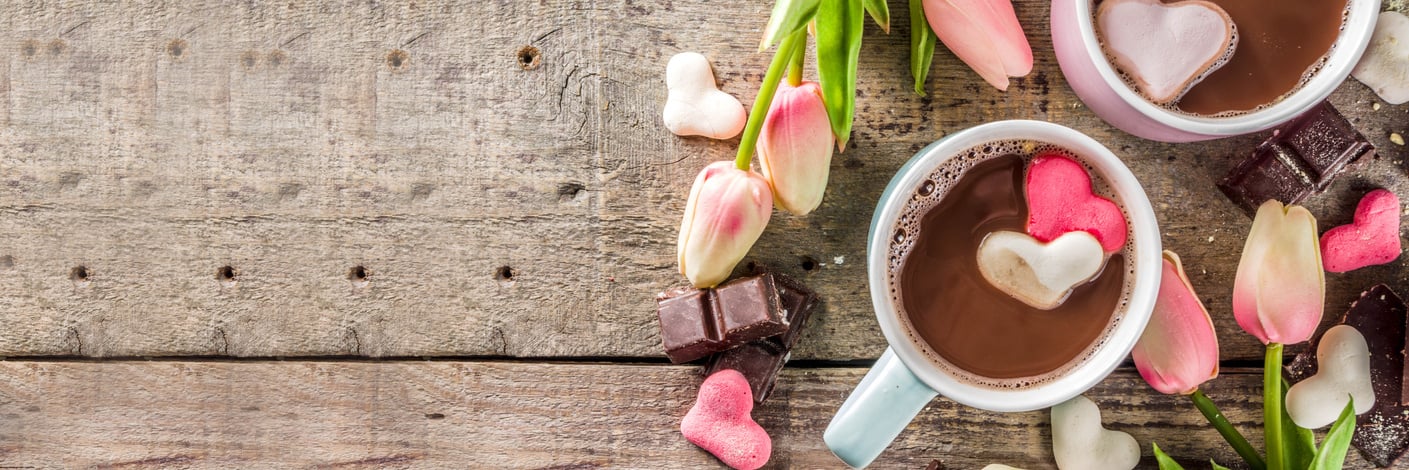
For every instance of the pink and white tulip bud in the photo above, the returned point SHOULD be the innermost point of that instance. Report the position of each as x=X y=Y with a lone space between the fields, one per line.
x=1280 y=289
x=727 y=211
x=1178 y=351
x=985 y=34
x=795 y=147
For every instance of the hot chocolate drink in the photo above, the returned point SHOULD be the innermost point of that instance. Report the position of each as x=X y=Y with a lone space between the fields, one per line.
x=965 y=324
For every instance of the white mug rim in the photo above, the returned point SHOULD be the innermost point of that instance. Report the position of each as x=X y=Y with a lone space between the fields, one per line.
x=1356 y=34
x=1107 y=356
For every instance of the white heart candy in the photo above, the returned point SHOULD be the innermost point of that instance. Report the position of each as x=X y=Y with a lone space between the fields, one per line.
x=1342 y=372
x=1080 y=443
x=1385 y=65
x=1039 y=274
x=1166 y=48
x=694 y=105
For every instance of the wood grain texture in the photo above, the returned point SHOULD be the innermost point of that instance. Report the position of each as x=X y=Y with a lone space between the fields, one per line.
x=406 y=414
x=153 y=143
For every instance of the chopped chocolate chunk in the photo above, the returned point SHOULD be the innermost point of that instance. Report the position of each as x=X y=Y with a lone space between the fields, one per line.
x=1382 y=434
x=1299 y=159
x=761 y=360
x=695 y=323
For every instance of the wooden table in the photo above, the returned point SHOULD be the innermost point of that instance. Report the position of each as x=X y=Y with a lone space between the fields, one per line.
x=427 y=234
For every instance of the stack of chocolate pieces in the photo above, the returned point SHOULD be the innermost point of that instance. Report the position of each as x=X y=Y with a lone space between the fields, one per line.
x=749 y=325
x=1382 y=434
x=1300 y=159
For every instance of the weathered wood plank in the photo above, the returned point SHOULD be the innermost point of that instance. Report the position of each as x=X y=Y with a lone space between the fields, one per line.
x=154 y=143
x=511 y=415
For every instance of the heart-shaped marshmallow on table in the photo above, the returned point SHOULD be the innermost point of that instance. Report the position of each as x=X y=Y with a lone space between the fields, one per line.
x=694 y=105
x=1059 y=200
x=1385 y=65
x=1039 y=274
x=1373 y=238
x=1166 y=48
x=1079 y=442
x=1342 y=372
x=720 y=422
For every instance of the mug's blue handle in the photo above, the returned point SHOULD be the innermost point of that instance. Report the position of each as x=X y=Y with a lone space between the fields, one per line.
x=887 y=399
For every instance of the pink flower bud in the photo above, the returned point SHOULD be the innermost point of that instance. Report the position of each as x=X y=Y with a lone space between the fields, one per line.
x=1280 y=289
x=1178 y=351
x=727 y=211
x=795 y=147
x=985 y=34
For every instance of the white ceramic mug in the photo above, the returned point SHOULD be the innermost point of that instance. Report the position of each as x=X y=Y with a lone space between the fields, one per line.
x=1095 y=81
x=904 y=380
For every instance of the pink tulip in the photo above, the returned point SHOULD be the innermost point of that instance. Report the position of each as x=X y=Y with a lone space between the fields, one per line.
x=1280 y=289
x=985 y=34
x=1178 y=351
x=727 y=211
x=795 y=147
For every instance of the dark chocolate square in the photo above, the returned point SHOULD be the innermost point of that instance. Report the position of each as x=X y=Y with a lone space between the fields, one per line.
x=1300 y=158
x=687 y=327
x=758 y=361
x=749 y=309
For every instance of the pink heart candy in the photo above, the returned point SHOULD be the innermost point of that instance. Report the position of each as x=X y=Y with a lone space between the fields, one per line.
x=1059 y=200
x=1372 y=239
x=720 y=422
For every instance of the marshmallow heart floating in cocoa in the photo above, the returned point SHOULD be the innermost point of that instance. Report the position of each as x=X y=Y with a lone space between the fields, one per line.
x=720 y=422
x=694 y=105
x=1385 y=65
x=1039 y=274
x=1343 y=373
x=1080 y=442
x=1373 y=238
x=1166 y=48
x=1060 y=200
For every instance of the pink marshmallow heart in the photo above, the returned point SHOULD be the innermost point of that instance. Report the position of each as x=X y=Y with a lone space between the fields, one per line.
x=1166 y=48
x=720 y=422
x=1372 y=239
x=1059 y=200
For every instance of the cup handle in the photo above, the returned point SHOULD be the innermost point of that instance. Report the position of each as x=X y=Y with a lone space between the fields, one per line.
x=885 y=401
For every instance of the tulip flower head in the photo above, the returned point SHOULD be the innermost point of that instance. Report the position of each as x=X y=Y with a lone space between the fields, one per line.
x=1178 y=351
x=1280 y=288
x=725 y=214
x=795 y=147
x=985 y=34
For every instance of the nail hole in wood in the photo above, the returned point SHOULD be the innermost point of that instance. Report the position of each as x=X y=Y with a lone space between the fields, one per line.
x=569 y=191
x=29 y=48
x=249 y=59
x=226 y=275
x=57 y=47
x=435 y=416
x=176 y=47
x=277 y=57
x=529 y=57
x=359 y=276
x=7 y=262
x=808 y=264
x=397 y=58
x=505 y=275
x=79 y=276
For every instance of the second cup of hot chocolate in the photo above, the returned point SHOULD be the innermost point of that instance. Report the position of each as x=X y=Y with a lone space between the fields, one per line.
x=988 y=293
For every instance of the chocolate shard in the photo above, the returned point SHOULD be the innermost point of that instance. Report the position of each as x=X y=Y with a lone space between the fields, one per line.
x=1301 y=158
x=1382 y=434
x=760 y=361
x=695 y=323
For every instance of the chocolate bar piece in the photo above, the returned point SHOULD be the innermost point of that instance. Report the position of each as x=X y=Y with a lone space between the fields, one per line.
x=1299 y=159
x=696 y=323
x=1382 y=434
x=760 y=361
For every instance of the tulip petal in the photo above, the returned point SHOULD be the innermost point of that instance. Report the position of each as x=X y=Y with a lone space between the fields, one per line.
x=985 y=34
x=795 y=147
x=1178 y=351
x=1279 y=291
x=727 y=210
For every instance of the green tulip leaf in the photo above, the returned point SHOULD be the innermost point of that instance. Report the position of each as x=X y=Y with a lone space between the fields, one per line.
x=880 y=12
x=839 y=24
x=1331 y=456
x=1216 y=466
x=922 y=41
x=788 y=16
x=1165 y=463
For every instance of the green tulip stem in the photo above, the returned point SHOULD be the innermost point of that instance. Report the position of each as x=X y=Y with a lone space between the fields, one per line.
x=776 y=69
x=1226 y=429
x=795 y=66
x=1272 y=407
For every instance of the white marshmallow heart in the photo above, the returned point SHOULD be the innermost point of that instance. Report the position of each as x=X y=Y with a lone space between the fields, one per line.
x=1385 y=65
x=694 y=105
x=1080 y=443
x=1342 y=372
x=1039 y=274
x=1166 y=48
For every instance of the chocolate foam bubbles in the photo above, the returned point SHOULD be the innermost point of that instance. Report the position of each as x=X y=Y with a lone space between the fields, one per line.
x=928 y=194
